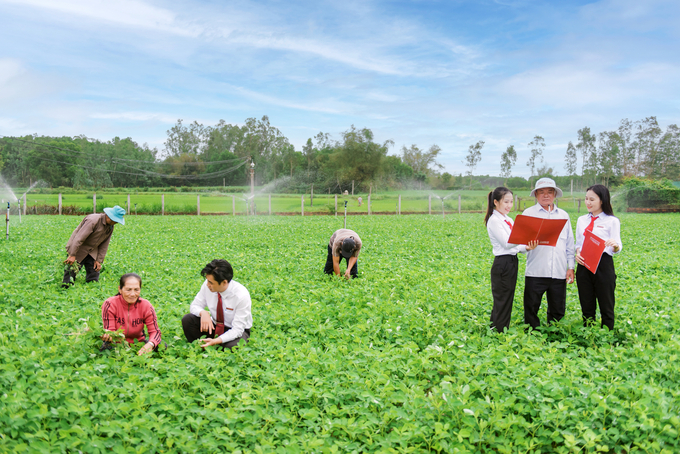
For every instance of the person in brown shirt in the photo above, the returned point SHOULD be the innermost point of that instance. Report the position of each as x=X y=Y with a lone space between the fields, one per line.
x=89 y=242
x=343 y=243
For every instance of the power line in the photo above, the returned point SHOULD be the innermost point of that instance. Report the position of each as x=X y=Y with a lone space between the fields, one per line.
x=155 y=174
x=114 y=159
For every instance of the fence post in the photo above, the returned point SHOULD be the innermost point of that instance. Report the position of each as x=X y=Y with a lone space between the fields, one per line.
x=270 y=204
x=162 y=204
x=24 y=207
x=352 y=187
x=128 y=210
x=233 y=205
x=517 y=203
x=369 y=204
x=399 y=203
x=579 y=206
x=94 y=202
x=429 y=204
x=198 y=205
x=459 y=204
x=302 y=205
x=311 y=197
x=336 y=205
x=60 y=204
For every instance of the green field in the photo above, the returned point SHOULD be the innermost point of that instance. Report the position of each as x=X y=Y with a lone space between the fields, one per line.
x=399 y=360
x=215 y=202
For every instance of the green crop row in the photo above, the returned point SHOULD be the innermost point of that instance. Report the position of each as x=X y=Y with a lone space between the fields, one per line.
x=399 y=360
x=215 y=202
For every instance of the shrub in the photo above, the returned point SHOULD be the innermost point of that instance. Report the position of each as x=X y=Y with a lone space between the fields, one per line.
x=651 y=193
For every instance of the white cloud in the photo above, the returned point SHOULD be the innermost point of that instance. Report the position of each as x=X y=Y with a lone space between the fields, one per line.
x=129 y=13
x=134 y=116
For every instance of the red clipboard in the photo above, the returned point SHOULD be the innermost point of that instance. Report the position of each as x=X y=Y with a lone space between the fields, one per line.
x=592 y=250
x=529 y=228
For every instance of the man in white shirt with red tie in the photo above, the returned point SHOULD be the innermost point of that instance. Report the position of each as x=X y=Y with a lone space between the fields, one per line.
x=221 y=310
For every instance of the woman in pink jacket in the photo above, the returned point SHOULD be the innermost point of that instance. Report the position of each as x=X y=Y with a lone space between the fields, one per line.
x=130 y=312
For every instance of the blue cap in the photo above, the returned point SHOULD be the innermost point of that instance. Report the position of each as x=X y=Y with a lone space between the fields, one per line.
x=115 y=214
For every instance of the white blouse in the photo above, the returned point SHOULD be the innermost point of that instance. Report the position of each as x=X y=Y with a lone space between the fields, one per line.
x=606 y=227
x=499 y=233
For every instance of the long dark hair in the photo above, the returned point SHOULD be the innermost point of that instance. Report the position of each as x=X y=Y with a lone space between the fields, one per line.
x=125 y=277
x=496 y=194
x=603 y=193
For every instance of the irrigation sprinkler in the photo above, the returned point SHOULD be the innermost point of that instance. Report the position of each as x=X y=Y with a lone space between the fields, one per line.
x=135 y=209
x=7 y=223
x=345 y=213
x=442 y=200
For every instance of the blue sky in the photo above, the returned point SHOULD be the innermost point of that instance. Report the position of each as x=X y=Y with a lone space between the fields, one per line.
x=422 y=72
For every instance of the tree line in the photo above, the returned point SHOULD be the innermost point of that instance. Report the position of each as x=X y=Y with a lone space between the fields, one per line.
x=199 y=155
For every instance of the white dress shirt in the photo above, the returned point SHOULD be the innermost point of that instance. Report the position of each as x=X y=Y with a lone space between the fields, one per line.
x=549 y=261
x=499 y=233
x=606 y=227
x=235 y=303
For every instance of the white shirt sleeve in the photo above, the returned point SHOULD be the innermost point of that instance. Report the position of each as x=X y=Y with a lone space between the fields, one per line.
x=199 y=303
x=499 y=235
x=242 y=314
x=571 y=260
x=615 y=235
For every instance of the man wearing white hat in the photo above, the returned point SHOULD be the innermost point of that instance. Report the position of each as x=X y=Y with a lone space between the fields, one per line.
x=89 y=242
x=549 y=269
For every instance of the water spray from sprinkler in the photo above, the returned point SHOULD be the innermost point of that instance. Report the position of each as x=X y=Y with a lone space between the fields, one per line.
x=7 y=223
x=442 y=199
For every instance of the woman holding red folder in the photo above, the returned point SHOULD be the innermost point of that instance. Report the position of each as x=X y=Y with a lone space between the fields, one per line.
x=598 y=288
x=505 y=264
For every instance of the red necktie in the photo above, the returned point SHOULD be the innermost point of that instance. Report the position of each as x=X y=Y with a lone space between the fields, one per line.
x=219 y=328
x=509 y=225
x=591 y=225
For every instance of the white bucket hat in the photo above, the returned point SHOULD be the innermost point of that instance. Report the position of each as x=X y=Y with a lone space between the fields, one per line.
x=546 y=183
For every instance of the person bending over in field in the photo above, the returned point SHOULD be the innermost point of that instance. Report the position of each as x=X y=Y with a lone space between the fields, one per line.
x=343 y=243
x=89 y=242
x=221 y=310
x=131 y=313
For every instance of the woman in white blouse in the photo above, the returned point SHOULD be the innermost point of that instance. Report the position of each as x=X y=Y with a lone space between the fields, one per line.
x=598 y=288
x=505 y=264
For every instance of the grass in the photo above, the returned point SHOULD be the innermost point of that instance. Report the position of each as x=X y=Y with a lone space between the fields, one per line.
x=384 y=202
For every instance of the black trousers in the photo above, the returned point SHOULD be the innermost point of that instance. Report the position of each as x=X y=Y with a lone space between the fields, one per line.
x=598 y=288
x=556 y=292
x=90 y=274
x=503 y=283
x=328 y=269
x=191 y=324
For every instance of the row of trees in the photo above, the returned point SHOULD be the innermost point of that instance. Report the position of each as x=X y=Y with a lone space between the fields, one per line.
x=198 y=155
x=637 y=148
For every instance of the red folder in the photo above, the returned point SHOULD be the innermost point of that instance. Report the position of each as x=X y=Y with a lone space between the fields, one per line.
x=591 y=252
x=529 y=228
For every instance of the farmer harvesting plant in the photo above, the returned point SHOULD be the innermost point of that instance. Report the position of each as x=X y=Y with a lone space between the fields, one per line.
x=343 y=243
x=131 y=313
x=89 y=242
x=549 y=269
x=221 y=310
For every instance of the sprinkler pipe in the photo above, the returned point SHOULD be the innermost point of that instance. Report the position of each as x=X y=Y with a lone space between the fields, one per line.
x=345 y=213
x=7 y=223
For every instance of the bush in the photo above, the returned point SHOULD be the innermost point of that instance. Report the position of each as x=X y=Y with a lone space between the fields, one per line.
x=650 y=193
